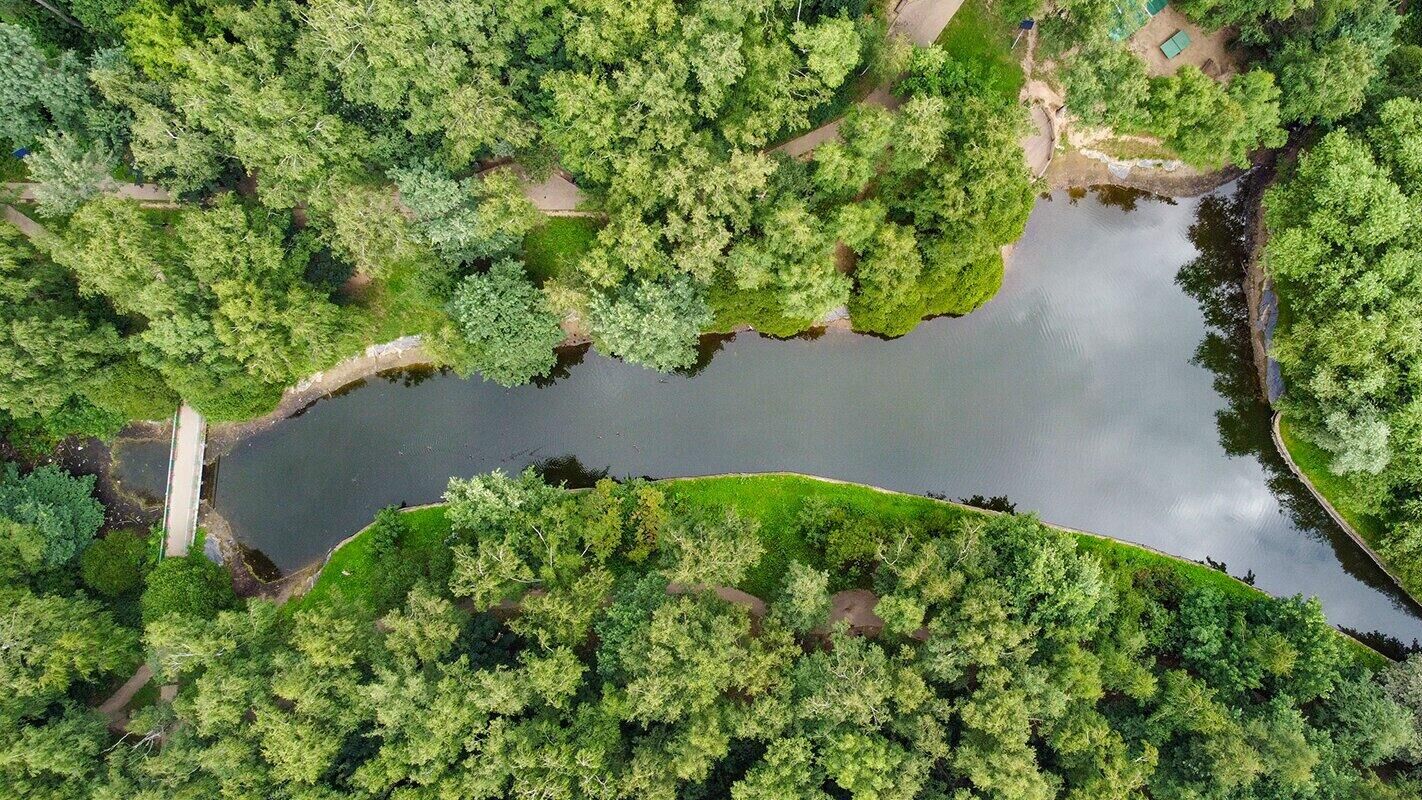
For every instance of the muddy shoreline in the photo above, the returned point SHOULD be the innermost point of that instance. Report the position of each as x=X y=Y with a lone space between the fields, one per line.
x=1072 y=170
x=123 y=507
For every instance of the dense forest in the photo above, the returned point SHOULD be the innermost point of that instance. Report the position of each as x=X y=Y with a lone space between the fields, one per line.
x=346 y=173
x=527 y=641
x=350 y=172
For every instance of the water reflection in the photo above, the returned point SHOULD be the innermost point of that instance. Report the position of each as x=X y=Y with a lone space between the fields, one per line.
x=568 y=357
x=142 y=467
x=1214 y=280
x=569 y=471
x=706 y=349
x=406 y=376
x=1108 y=387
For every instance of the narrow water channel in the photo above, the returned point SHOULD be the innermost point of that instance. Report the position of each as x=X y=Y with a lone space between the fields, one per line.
x=1108 y=387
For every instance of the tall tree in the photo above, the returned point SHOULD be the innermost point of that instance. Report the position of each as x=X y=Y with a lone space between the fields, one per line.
x=507 y=323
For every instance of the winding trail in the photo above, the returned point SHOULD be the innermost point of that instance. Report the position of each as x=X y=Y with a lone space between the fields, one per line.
x=147 y=193
x=115 y=709
x=33 y=230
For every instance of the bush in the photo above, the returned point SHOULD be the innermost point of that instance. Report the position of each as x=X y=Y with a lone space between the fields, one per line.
x=507 y=324
x=1107 y=85
x=191 y=586
x=59 y=505
x=115 y=564
x=653 y=324
x=134 y=391
x=762 y=309
x=849 y=539
x=399 y=563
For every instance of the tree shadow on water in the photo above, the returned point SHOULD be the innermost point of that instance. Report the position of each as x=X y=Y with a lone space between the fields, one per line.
x=568 y=357
x=1215 y=280
x=568 y=470
x=706 y=349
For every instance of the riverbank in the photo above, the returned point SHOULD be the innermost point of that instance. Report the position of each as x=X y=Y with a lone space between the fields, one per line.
x=409 y=353
x=773 y=500
x=1309 y=464
x=1071 y=169
x=403 y=353
x=1258 y=286
x=960 y=407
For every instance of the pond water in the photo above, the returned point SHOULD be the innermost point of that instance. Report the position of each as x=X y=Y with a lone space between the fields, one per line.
x=1108 y=387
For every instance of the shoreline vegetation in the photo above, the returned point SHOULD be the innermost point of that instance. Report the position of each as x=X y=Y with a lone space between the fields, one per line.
x=770 y=499
x=1309 y=463
x=899 y=214
x=408 y=351
x=1339 y=228
x=758 y=637
x=893 y=643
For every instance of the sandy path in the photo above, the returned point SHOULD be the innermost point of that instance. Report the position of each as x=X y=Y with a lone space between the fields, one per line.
x=150 y=193
x=1037 y=147
x=556 y=196
x=113 y=708
x=27 y=226
x=921 y=21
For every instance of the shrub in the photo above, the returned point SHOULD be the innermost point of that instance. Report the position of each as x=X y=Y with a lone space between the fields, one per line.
x=508 y=326
x=650 y=323
x=115 y=564
x=56 y=503
x=190 y=586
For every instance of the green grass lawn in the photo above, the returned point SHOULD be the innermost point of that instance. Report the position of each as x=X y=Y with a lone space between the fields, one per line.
x=774 y=501
x=125 y=173
x=396 y=305
x=1314 y=461
x=555 y=245
x=978 y=33
x=351 y=564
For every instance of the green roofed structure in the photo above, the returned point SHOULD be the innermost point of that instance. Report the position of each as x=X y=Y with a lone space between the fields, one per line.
x=1176 y=44
x=1130 y=16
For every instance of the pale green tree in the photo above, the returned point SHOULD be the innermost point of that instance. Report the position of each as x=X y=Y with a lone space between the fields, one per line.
x=655 y=324
x=507 y=324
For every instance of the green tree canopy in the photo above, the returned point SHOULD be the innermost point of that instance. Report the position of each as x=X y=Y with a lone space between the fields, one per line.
x=507 y=323
x=59 y=506
x=188 y=586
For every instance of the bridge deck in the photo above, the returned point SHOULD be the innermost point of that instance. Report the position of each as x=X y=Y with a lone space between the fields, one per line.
x=180 y=511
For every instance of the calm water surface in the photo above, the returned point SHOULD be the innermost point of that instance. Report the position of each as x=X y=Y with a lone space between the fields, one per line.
x=1108 y=387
